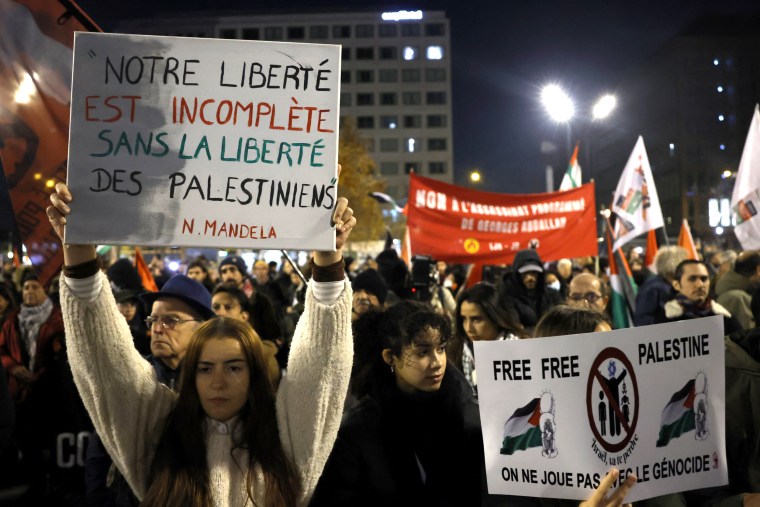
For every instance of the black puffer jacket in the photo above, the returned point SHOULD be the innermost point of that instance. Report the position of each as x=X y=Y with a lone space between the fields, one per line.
x=530 y=306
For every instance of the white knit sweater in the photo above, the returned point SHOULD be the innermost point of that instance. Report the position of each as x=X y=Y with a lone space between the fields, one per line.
x=128 y=406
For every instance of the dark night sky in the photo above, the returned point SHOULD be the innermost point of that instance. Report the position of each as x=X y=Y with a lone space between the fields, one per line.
x=502 y=52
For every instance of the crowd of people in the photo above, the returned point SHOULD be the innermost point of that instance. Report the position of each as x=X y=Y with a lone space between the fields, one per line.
x=238 y=386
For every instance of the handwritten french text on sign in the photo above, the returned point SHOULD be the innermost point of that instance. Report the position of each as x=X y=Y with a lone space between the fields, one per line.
x=180 y=141
x=559 y=412
x=457 y=224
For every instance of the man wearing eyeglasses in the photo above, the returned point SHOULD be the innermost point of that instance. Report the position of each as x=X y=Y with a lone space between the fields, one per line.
x=587 y=291
x=175 y=312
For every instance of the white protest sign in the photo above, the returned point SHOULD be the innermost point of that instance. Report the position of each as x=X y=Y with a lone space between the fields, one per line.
x=558 y=413
x=200 y=142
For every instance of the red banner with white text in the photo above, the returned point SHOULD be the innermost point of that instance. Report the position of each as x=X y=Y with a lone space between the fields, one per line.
x=457 y=224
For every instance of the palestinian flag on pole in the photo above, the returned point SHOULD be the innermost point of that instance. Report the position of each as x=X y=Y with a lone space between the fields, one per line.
x=521 y=431
x=623 y=297
x=678 y=415
x=572 y=177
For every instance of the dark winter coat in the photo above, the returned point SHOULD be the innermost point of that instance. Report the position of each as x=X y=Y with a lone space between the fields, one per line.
x=530 y=306
x=396 y=449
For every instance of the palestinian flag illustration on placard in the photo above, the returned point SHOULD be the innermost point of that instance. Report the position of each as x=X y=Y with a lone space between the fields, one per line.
x=678 y=415
x=522 y=430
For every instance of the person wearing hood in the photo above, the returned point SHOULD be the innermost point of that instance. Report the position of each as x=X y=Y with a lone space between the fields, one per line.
x=525 y=287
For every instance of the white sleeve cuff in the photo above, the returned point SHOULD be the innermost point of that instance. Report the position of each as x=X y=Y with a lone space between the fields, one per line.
x=327 y=293
x=86 y=289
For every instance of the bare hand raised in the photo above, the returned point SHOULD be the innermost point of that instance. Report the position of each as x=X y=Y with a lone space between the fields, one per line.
x=58 y=215
x=603 y=497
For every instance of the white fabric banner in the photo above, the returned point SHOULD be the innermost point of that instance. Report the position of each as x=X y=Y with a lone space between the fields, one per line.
x=635 y=202
x=745 y=200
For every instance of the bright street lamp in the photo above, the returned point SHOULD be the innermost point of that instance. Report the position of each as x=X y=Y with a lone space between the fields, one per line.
x=604 y=106
x=475 y=176
x=557 y=103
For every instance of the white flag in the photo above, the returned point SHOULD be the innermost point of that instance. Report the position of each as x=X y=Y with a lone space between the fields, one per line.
x=745 y=200
x=636 y=203
x=572 y=177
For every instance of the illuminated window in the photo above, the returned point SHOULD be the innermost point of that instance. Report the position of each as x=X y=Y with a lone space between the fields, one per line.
x=410 y=53
x=389 y=121
x=413 y=145
x=434 y=53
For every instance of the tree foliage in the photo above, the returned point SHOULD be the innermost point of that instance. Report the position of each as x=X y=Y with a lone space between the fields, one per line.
x=358 y=178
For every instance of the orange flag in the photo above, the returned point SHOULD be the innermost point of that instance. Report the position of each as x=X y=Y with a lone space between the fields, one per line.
x=686 y=240
x=144 y=271
x=651 y=249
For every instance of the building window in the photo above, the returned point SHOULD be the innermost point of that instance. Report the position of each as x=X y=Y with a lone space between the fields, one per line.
x=412 y=145
x=411 y=166
x=411 y=98
x=388 y=99
x=388 y=75
x=435 y=97
x=434 y=53
x=228 y=33
x=435 y=30
x=388 y=53
x=369 y=145
x=410 y=30
x=411 y=75
x=345 y=100
x=365 y=76
x=389 y=122
x=296 y=33
x=436 y=121
x=436 y=144
x=365 y=99
x=389 y=144
x=365 y=122
x=389 y=168
x=342 y=31
x=273 y=33
x=387 y=30
x=436 y=167
x=365 y=53
x=412 y=121
x=345 y=76
x=318 y=32
x=435 y=75
x=410 y=53
x=345 y=53
x=365 y=31
x=251 y=34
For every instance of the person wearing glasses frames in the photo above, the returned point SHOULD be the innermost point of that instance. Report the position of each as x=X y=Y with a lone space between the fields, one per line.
x=219 y=439
x=587 y=291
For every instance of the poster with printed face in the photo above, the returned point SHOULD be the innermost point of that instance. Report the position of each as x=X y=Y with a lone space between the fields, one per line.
x=199 y=142
x=558 y=413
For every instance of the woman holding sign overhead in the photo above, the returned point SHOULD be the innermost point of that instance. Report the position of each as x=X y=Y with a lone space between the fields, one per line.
x=414 y=439
x=219 y=440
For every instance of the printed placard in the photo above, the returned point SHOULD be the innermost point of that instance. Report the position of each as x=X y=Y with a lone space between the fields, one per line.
x=201 y=142
x=559 y=412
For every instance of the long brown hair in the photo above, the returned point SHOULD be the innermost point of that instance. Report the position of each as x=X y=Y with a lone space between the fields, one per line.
x=179 y=472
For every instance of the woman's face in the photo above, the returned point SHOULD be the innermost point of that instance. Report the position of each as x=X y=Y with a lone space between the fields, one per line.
x=225 y=305
x=421 y=365
x=475 y=323
x=222 y=378
x=196 y=274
